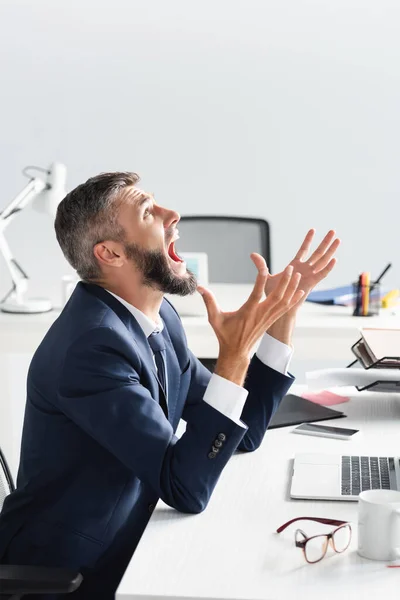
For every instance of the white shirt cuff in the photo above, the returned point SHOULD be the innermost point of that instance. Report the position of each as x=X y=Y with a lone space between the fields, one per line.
x=274 y=354
x=226 y=397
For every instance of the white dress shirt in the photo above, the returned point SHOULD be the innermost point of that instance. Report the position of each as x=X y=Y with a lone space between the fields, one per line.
x=222 y=394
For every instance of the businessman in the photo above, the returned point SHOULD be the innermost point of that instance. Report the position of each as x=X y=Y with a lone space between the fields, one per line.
x=113 y=377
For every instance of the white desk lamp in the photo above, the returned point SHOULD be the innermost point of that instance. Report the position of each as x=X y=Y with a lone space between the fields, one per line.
x=45 y=194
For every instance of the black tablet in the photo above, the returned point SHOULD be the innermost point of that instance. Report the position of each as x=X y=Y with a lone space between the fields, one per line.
x=294 y=410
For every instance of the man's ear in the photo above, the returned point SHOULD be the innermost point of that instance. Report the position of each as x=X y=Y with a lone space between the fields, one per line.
x=109 y=254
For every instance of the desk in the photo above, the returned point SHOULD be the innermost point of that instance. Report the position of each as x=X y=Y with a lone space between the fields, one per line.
x=323 y=333
x=323 y=338
x=231 y=550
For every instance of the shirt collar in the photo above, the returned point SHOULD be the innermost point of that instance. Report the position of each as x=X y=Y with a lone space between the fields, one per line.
x=147 y=325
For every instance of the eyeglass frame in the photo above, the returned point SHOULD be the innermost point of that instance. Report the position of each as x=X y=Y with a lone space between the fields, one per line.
x=329 y=536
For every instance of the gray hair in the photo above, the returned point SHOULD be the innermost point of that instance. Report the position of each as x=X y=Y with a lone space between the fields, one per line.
x=87 y=216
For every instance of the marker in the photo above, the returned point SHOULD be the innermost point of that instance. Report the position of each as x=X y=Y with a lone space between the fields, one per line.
x=366 y=284
x=390 y=299
x=363 y=274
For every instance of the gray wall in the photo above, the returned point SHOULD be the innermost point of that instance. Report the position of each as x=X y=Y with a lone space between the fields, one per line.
x=284 y=109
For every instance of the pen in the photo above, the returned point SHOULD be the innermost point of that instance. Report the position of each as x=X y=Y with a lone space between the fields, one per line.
x=385 y=270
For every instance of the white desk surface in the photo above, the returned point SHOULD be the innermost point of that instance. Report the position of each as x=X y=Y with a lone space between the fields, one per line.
x=231 y=550
x=320 y=330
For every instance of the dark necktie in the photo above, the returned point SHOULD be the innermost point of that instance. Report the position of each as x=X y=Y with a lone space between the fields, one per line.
x=157 y=344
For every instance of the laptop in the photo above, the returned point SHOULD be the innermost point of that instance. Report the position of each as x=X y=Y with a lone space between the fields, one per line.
x=330 y=477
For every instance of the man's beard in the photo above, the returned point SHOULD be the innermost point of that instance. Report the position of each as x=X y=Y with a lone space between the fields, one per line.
x=157 y=272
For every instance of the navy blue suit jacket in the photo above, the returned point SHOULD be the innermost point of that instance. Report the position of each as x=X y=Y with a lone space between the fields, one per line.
x=98 y=450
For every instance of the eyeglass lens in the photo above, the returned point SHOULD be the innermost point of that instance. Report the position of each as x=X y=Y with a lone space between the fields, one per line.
x=315 y=548
x=341 y=538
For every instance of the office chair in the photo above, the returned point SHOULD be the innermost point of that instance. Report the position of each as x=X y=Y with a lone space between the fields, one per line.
x=228 y=241
x=16 y=580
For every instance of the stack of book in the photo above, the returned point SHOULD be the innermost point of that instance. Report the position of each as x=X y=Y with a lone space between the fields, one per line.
x=380 y=349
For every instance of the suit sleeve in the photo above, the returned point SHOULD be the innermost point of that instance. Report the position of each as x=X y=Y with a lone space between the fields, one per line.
x=100 y=391
x=266 y=388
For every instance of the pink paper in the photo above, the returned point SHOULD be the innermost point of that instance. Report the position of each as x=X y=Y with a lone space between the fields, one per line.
x=325 y=398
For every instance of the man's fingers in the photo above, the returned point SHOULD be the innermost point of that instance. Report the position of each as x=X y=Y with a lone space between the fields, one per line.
x=286 y=301
x=326 y=270
x=325 y=259
x=306 y=245
x=281 y=299
x=278 y=293
x=291 y=303
x=258 y=260
x=297 y=297
x=262 y=276
x=292 y=287
x=283 y=307
x=212 y=307
x=322 y=248
x=284 y=282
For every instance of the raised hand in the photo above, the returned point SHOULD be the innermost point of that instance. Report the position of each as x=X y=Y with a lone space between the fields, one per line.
x=237 y=332
x=312 y=269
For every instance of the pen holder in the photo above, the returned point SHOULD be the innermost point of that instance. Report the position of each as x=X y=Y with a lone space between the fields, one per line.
x=366 y=299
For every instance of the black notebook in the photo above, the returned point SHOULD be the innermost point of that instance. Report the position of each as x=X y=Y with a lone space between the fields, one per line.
x=294 y=410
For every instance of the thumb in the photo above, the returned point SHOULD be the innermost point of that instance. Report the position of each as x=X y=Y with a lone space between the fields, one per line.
x=212 y=307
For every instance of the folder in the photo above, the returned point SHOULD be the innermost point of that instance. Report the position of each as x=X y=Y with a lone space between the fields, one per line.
x=342 y=296
x=294 y=410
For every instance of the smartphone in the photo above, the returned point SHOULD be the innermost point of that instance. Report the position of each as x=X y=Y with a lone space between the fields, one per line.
x=340 y=433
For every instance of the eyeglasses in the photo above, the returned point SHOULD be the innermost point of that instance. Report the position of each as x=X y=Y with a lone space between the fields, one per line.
x=315 y=547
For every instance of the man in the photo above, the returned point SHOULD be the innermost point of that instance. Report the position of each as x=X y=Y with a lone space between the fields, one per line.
x=113 y=376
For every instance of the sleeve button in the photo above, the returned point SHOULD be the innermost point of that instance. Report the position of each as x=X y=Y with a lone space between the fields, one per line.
x=221 y=437
x=217 y=444
x=211 y=455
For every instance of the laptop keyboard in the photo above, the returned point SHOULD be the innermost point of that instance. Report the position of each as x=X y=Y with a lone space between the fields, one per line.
x=361 y=473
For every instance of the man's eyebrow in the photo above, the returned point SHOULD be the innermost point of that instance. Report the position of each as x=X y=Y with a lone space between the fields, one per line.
x=141 y=197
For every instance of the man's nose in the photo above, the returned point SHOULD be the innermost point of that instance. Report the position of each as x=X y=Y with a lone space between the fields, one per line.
x=171 y=218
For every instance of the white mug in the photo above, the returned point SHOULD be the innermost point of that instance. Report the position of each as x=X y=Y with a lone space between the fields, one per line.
x=379 y=524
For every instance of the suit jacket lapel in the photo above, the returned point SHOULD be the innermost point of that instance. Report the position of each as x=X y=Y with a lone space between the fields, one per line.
x=138 y=337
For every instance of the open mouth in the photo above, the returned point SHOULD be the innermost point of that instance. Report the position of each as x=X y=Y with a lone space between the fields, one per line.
x=172 y=253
